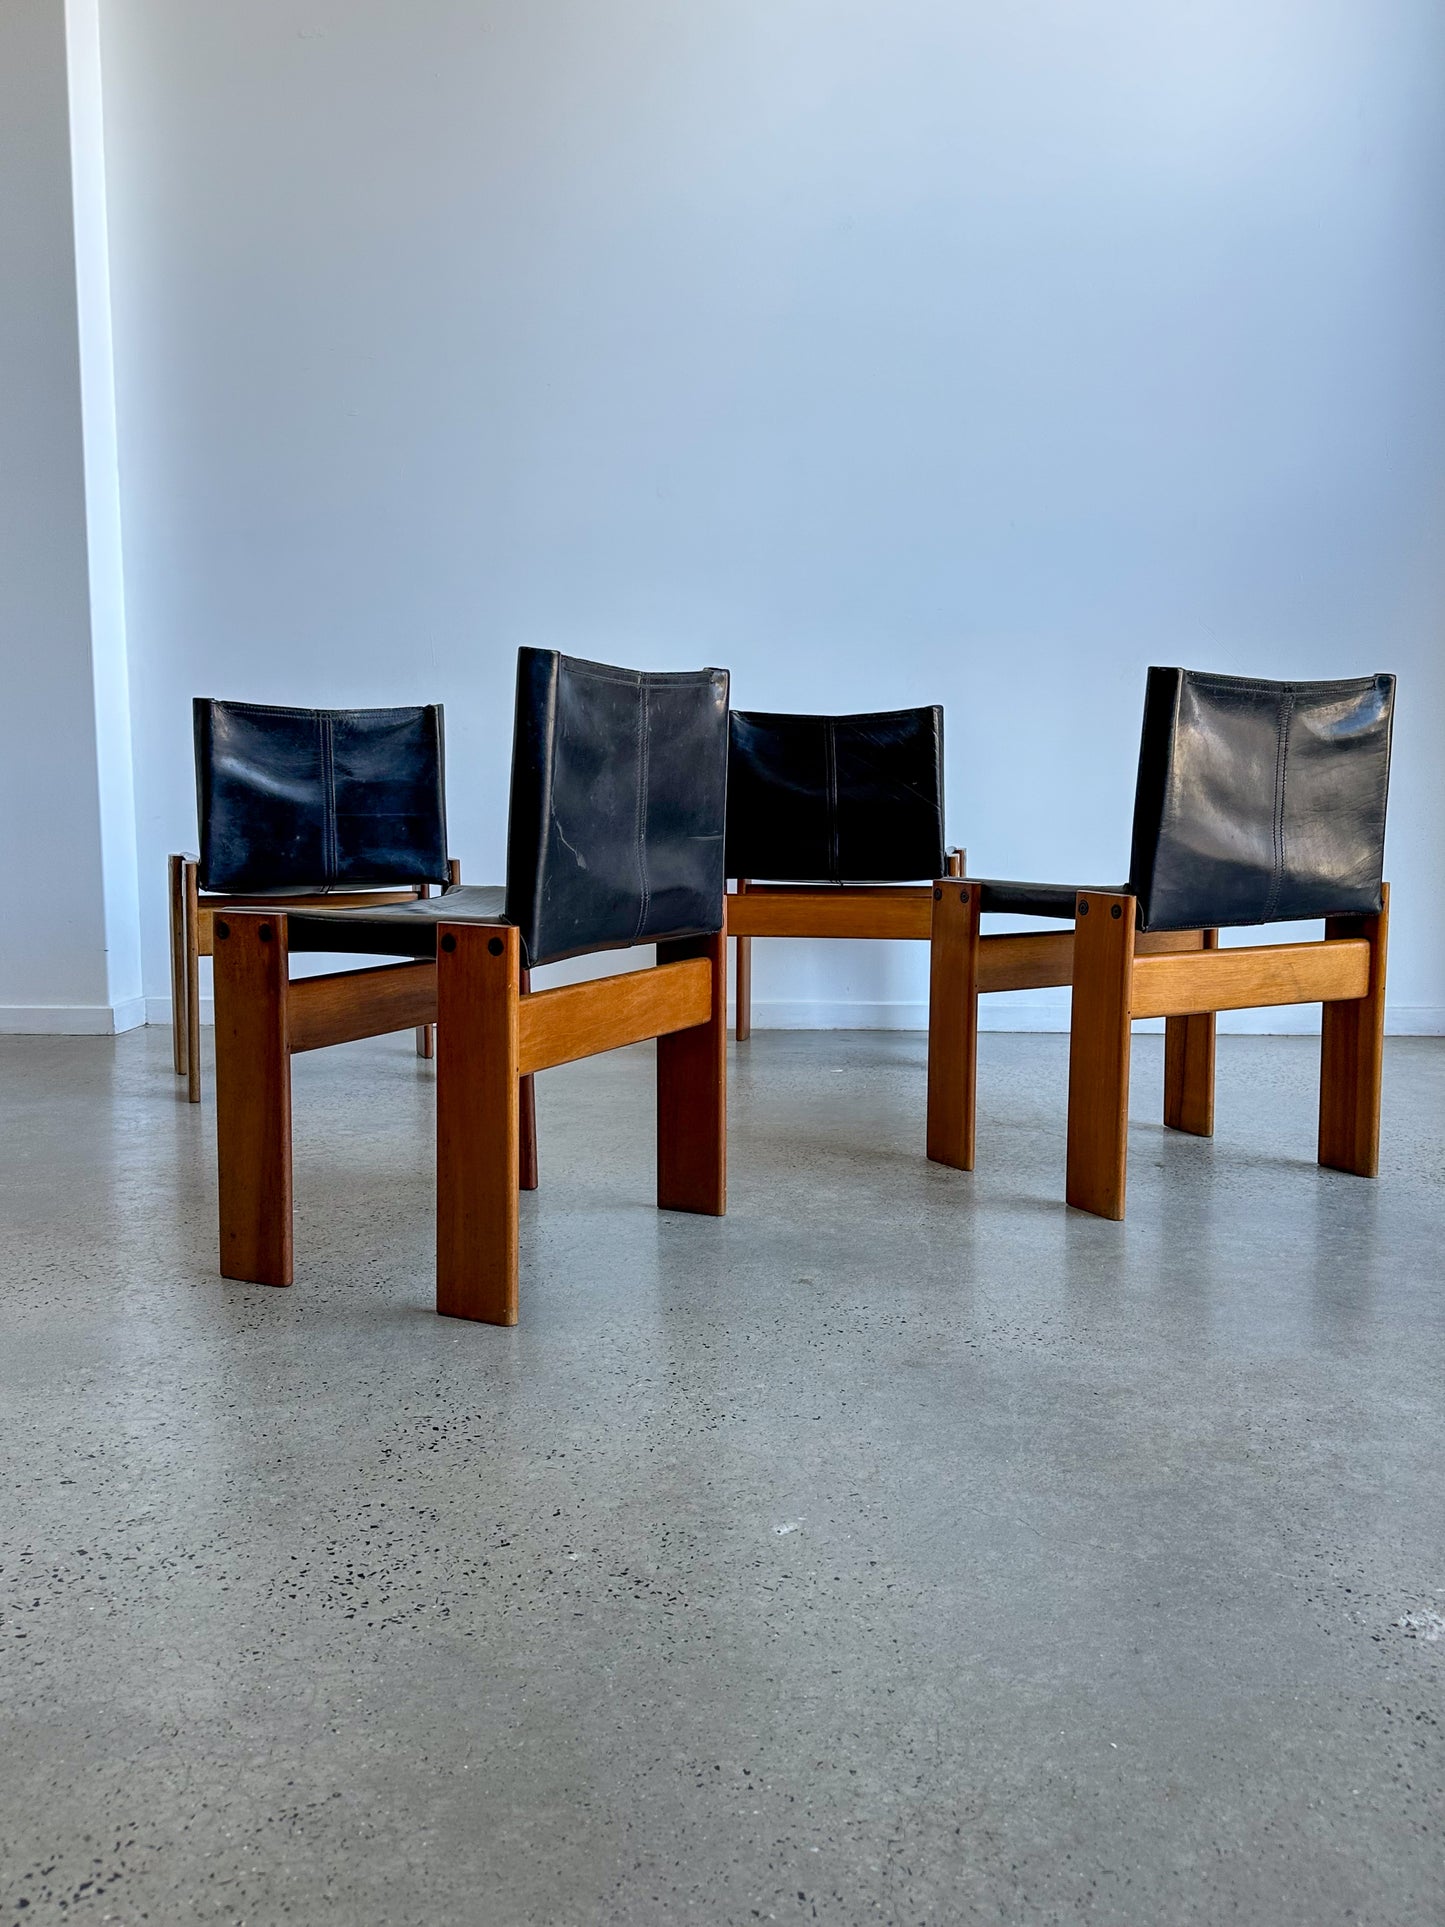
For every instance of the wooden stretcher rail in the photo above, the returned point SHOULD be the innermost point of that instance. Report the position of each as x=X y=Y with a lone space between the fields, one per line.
x=347 y=1004
x=883 y=913
x=1250 y=979
x=1044 y=959
x=579 y=1020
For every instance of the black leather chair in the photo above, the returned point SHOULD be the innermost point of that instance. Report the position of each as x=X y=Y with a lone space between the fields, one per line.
x=344 y=805
x=615 y=839
x=1256 y=803
x=830 y=819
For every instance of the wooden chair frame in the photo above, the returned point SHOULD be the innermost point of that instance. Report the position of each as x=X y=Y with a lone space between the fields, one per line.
x=193 y=912
x=1119 y=974
x=495 y=1035
x=888 y=912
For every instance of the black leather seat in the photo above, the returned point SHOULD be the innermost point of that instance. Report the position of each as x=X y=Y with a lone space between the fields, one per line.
x=616 y=831
x=837 y=799
x=1256 y=802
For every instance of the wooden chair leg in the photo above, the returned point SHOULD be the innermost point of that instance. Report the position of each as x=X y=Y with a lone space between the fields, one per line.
x=1189 y=1066
x=190 y=893
x=953 y=1024
x=692 y=1128
x=1352 y=1051
x=425 y=1039
x=253 y=1098
x=743 y=987
x=1099 y=1040
x=177 y=909
x=526 y=1115
x=478 y=1117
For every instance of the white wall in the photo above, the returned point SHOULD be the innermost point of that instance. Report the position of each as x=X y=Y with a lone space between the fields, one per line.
x=69 y=926
x=892 y=352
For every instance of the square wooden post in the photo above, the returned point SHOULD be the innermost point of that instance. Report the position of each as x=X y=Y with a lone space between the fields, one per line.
x=953 y=1023
x=1352 y=1052
x=1099 y=1041
x=253 y=1096
x=1189 y=1066
x=478 y=981
x=527 y=1116
x=743 y=991
x=692 y=1095
x=191 y=905
x=175 y=897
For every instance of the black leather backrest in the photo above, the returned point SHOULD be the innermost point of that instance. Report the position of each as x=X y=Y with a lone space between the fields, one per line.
x=312 y=799
x=619 y=787
x=840 y=799
x=1260 y=802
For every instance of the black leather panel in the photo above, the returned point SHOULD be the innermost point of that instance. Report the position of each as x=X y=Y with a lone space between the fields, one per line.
x=619 y=786
x=1260 y=802
x=395 y=929
x=840 y=799
x=1039 y=899
x=313 y=799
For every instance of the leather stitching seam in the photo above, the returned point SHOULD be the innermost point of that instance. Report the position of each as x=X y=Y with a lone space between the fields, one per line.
x=1281 y=766
x=644 y=893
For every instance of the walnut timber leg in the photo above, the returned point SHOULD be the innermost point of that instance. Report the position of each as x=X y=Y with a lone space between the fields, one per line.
x=1352 y=1050
x=1189 y=1066
x=692 y=1124
x=176 y=903
x=190 y=895
x=953 y=1024
x=1099 y=1040
x=253 y=1097
x=478 y=1103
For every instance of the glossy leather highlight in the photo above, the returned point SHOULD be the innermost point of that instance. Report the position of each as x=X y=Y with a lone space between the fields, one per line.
x=839 y=799
x=619 y=789
x=1260 y=802
x=317 y=799
x=619 y=785
x=1256 y=802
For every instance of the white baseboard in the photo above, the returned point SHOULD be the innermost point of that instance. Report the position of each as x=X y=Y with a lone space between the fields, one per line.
x=994 y=1013
x=1001 y=1012
x=73 y=1020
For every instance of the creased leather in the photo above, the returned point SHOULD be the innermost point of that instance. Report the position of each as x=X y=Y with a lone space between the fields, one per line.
x=396 y=929
x=619 y=792
x=1260 y=802
x=316 y=799
x=839 y=799
x=1256 y=802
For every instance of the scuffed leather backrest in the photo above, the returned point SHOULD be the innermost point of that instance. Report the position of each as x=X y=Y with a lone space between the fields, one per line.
x=1260 y=802
x=839 y=799
x=314 y=799
x=619 y=787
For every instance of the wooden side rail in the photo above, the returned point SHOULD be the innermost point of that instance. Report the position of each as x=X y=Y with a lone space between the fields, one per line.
x=902 y=914
x=581 y=1020
x=1251 y=978
x=348 y=1004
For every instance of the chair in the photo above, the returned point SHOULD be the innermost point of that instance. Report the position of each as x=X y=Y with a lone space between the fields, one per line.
x=295 y=806
x=615 y=839
x=1256 y=803
x=841 y=814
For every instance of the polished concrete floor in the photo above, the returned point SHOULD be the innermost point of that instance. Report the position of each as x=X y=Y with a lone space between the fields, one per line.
x=902 y=1548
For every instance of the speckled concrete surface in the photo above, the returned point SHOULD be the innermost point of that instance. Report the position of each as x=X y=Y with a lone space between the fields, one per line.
x=900 y=1549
